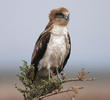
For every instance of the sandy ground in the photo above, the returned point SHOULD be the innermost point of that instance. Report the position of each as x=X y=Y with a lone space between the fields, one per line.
x=93 y=90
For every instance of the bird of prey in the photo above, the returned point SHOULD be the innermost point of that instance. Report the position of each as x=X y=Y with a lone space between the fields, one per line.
x=53 y=46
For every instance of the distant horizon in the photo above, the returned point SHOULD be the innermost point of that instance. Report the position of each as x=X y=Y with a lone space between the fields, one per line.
x=22 y=23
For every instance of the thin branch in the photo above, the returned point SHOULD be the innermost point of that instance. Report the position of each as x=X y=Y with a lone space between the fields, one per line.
x=77 y=79
x=74 y=88
x=50 y=94
x=24 y=95
x=70 y=79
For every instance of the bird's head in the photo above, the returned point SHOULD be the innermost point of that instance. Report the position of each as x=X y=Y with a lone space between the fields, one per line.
x=60 y=16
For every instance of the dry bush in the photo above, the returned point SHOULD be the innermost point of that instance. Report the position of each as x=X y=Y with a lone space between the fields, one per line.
x=46 y=88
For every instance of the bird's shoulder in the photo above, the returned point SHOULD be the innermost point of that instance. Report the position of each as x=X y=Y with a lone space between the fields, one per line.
x=41 y=45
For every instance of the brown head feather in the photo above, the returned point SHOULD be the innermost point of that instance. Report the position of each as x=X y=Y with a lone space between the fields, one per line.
x=52 y=13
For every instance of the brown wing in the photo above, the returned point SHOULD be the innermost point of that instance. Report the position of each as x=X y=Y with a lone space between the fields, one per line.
x=68 y=43
x=39 y=49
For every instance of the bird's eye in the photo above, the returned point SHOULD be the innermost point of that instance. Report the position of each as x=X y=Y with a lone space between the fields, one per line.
x=59 y=14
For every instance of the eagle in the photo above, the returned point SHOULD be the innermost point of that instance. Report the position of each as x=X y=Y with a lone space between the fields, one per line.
x=53 y=47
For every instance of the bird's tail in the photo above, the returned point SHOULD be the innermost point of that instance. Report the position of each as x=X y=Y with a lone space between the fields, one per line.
x=34 y=75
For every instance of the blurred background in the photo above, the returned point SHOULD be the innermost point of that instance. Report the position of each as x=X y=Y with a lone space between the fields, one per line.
x=22 y=21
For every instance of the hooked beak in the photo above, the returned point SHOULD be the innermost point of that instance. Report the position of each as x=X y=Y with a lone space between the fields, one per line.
x=66 y=17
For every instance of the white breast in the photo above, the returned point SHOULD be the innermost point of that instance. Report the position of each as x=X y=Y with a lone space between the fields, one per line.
x=56 y=49
x=59 y=30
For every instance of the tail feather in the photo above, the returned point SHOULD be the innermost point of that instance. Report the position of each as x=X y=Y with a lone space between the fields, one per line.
x=34 y=75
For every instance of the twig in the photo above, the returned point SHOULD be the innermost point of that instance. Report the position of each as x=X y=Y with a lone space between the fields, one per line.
x=50 y=94
x=24 y=96
x=77 y=79
x=74 y=88
x=70 y=79
x=91 y=79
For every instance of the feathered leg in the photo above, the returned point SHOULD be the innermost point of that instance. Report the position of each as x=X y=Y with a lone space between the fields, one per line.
x=58 y=75
x=49 y=73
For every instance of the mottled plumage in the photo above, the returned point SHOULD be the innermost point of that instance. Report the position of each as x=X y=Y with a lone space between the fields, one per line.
x=52 y=48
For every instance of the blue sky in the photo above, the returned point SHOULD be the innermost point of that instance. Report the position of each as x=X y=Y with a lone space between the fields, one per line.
x=22 y=21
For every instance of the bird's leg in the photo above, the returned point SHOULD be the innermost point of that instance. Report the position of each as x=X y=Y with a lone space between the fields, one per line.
x=58 y=75
x=49 y=73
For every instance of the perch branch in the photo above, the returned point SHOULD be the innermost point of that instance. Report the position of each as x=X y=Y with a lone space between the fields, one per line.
x=50 y=94
x=74 y=89
x=77 y=79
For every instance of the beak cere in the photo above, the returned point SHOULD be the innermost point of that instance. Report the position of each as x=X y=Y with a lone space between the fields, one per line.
x=66 y=17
